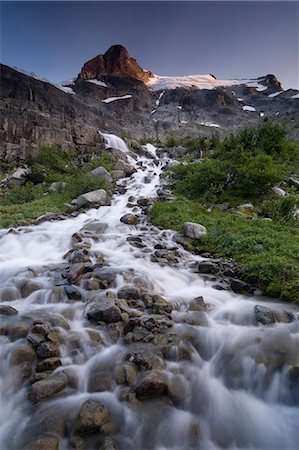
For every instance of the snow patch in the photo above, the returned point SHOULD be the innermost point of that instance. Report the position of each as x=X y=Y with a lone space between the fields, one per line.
x=262 y=114
x=248 y=108
x=275 y=94
x=112 y=99
x=66 y=89
x=158 y=102
x=206 y=81
x=208 y=124
x=295 y=96
x=240 y=99
x=97 y=82
x=259 y=87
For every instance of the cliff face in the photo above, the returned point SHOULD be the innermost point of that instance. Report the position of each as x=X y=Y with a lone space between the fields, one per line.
x=115 y=62
x=34 y=112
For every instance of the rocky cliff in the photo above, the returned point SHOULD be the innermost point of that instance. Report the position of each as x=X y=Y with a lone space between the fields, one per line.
x=115 y=62
x=114 y=94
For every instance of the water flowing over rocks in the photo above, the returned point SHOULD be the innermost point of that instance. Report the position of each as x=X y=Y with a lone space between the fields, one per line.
x=117 y=335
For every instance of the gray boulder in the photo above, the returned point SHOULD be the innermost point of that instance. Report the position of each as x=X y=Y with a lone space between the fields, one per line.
x=194 y=230
x=98 y=197
x=104 y=310
x=118 y=174
x=17 y=177
x=57 y=186
x=102 y=172
x=246 y=206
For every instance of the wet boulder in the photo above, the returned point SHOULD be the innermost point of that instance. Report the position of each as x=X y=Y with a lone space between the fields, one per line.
x=48 y=364
x=129 y=219
x=268 y=316
x=10 y=293
x=194 y=230
x=78 y=256
x=197 y=304
x=128 y=293
x=239 y=286
x=95 y=227
x=207 y=267
x=109 y=444
x=47 y=388
x=154 y=384
x=264 y=315
x=92 y=416
x=7 y=310
x=74 y=273
x=22 y=354
x=117 y=174
x=125 y=373
x=105 y=277
x=72 y=292
x=98 y=197
x=124 y=167
x=104 y=310
x=44 y=443
x=47 y=350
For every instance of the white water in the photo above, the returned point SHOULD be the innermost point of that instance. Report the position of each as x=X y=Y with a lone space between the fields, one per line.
x=112 y=141
x=236 y=388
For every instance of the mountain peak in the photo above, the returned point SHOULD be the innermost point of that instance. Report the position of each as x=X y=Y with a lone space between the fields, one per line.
x=115 y=62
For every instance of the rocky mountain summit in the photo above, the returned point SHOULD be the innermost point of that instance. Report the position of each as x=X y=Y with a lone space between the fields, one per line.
x=115 y=62
x=113 y=93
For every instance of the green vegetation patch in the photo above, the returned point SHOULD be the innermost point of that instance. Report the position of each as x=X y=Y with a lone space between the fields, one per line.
x=265 y=249
x=24 y=203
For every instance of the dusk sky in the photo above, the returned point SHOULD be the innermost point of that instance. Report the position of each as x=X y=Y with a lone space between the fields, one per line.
x=228 y=39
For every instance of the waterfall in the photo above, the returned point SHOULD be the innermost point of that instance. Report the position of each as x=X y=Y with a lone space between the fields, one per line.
x=112 y=141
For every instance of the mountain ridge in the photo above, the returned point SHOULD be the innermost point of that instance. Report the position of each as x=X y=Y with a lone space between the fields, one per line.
x=37 y=112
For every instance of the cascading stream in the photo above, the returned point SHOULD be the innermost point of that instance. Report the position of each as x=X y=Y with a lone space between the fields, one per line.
x=230 y=381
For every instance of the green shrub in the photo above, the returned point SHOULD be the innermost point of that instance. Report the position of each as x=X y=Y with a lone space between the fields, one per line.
x=106 y=160
x=258 y=174
x=22 y=194
x=81 y=182
x=50 y=159
x=281 y=210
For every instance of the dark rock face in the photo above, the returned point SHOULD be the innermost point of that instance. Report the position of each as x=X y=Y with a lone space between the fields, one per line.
x=115 y=62
x=34 y=113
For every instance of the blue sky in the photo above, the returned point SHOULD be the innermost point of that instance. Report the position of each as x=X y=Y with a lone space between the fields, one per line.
x=228 y=39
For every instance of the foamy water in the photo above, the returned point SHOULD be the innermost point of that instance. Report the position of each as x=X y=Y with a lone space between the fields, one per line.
x=236 y=389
